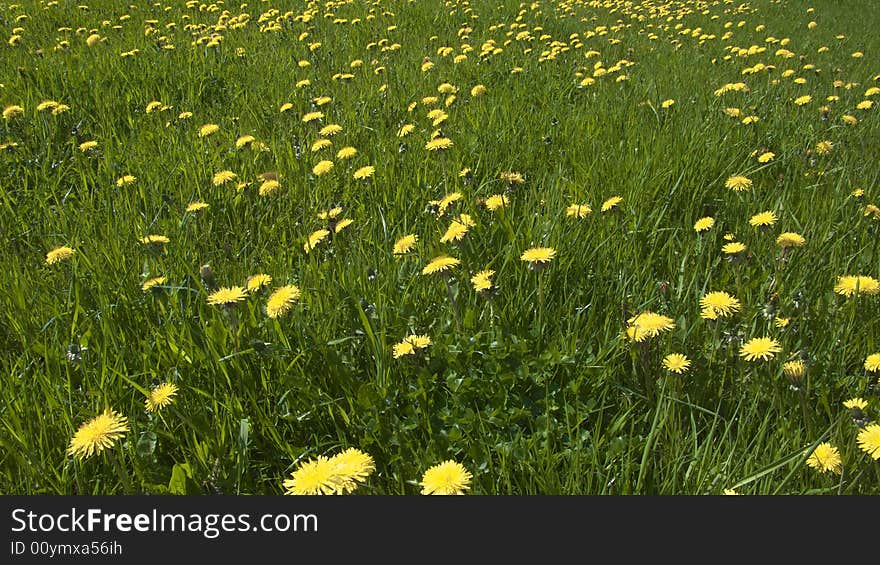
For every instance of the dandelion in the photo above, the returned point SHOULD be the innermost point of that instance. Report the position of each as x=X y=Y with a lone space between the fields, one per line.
x=455 y=232
x=439 y=144
x=849 y=119
x=611 y=203
x=446 y=478
x=315 y=476
x=676 y=363
x=801 y=100
x=161 y=396
x=59 y=254
x=244 y=140
x=346 y=153
x=647 y=324
x=281 y=301
x=364 y=173
x=763 y=219
x=790 y=239
x=405 y=130
x=719 y=303
x=86 y=146
x=667 y=103
x=152 y=283
x=872 y=362
x=733 y=248
x=208 y=129
x=314 y=239
x=98 y=434
x=322 y=167
x=478 y=90
x=704 y=224
x=857 y=403
x=125 y=180
x=824 y=147
x=342 y=224
x=330 y=130
x=320 y=144
x=269 y=187
x=154 y=239
x=865 y=105
x=256 y=282
x=496 y=201
x=826 y=458
x=405 y=244
x=760 y=348
x=196 y=206
x=738 y=183
x=352 y=467
x=869 y=441
x=440 y=264
x=766 y=157
x=12 y=111
x=223 y=177
x=579 y=211
x=794 y=370
x=511 y=177
x=482 y=281
x=227 y=296
x=849 y=285
x=312 y=116
x=538 y=255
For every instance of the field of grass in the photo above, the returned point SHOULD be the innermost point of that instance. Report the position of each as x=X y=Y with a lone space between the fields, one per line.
x=601 y=131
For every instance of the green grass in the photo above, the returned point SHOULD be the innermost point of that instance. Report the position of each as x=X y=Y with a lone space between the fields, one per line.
x=533 y=390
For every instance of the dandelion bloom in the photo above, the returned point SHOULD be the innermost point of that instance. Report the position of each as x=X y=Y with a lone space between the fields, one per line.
x=733 y=248
x=667 y=103
x=538 y=255
x=312 y=116
x=720 y=303
x=410 y=344
x=153 y=282
x=738 y=183
x=440 y=264
x=849 y=119
x=676 y=362
x=704 y=224
x=161 y=396
x=405 y=130
x=801 y=100
x=256 y=282
x=455 y=232
x=872 y=362
x=405 y=244
x=402 y=348
x=445 y=202
x=865 y=105
x=352 y=467
x=763 y=219
x=342 y=224
x=511 y=177
x=12 y=111
x=320 y=144
x=848 y=285
x=322 y=167
x=125 y=180
x=824 y=147
x=281 y=301
x=496 y=201
x=762 y=348
x=223 y=177
x=98 y=434
x=364 y=173
x=766 y=157
x=857 y=403
x=439 y=144
x=478 y=90
x=780 y=322
x=208 y=129
x=611 y=203
x=825 y=458
x=446 y=478
x=315 y=238
x=578 y=211
x=269 y=187
x=87 y=146
x=316 y=476
x=346 y=153
x=647 y=324
x=227 y=295
x=869 y=440
x=794 y=369
x=196 y=206
x=244 y=140
x=790 y=239
x=59 y=254
x=154 y=239
x=482 y=281
x=330 y=130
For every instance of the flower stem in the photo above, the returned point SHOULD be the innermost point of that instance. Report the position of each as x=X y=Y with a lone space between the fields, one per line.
x=121 y=472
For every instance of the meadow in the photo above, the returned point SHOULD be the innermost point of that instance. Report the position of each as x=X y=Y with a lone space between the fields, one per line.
x=411 y=246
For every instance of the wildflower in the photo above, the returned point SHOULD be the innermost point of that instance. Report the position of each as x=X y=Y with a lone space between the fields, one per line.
x=704 y=224
x=849 y=119
x=578 y=211
x=849 y=285
x=733 y=112
x=455 y=232
x=223 y=177
x=801 y=100
x=667 y=103
x=496 y=201
x=611 y=203
x=269 y=187
x=196 y=206
x=322 y=167
x=647 y=324
x=738 y=183
x=446 y=201
x=865 y=105
x=316 y=476
x=869 y=440
x=256 y=282
x=733 y=248
x=208 y=129
x=482 y=281
x=766 y=157
x=161 y=396
x=281 y=301
x=364 y=173
x=826 y=458
x=153 y=282
x=59 y=254
x=762 y=348
x=719 y=303
x=440 y=264
x=763 y=219
x=857 y=403
x=538 y=255
x=790 y=239
x=872 y=362
x=320 y=144
x=676 y=362
x=315 y=238
x=405 y=130
x=330 y=130
x=824 y=147
x=154 y=239
x=446 y=478
x=244 y=140
x=794 y=370
x=478 y=90
x=872 y=211
x=780 y=322
x=341 y=224
x=439 y=144
x=87 y=146
x=125 y=180
x=98 y=434
x=346 y=153
x=351 y=467
x=12 y=111
x=405 y=244
x=312 y=116
x=226 y=296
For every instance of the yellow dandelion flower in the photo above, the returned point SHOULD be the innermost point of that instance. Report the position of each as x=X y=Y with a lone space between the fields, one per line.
x=314 y=239
x=196 y=206
x=269 y=187
x=676 y=362
x=738 y=183
x=826 y=458
x=538 y=255
x=244 y=140
x=446 y=478
x=312 y=116
x=225 y=296
x=161 y=396
x=440 y=264
x=438 y=144
x=733 y=248
x=281 y=301
x=849 y=285
x=611 y=203
x=872 y=362
x=315 y=476
x=760 y=348
x=579 y=211
x=125 y=180
x=98 y=434
x=869 y=441
x=330 y=130
x=482 y=281
x=763 y=219
x=346 y=153
x=364 y=173
x=455 y=232
x=87 y=146
x=405 y=244
x=208 y=129
x=154 y=239
x=12 y=111
x=647 y=324
x=766 y=157
x=790 y=239
x=801 y=100
x=153 y=282
x=720 y=303
x=59 y=254
x=322 y=167
x=223 y=177
x=320 y=144
x=497 y=201
x=704 y=224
